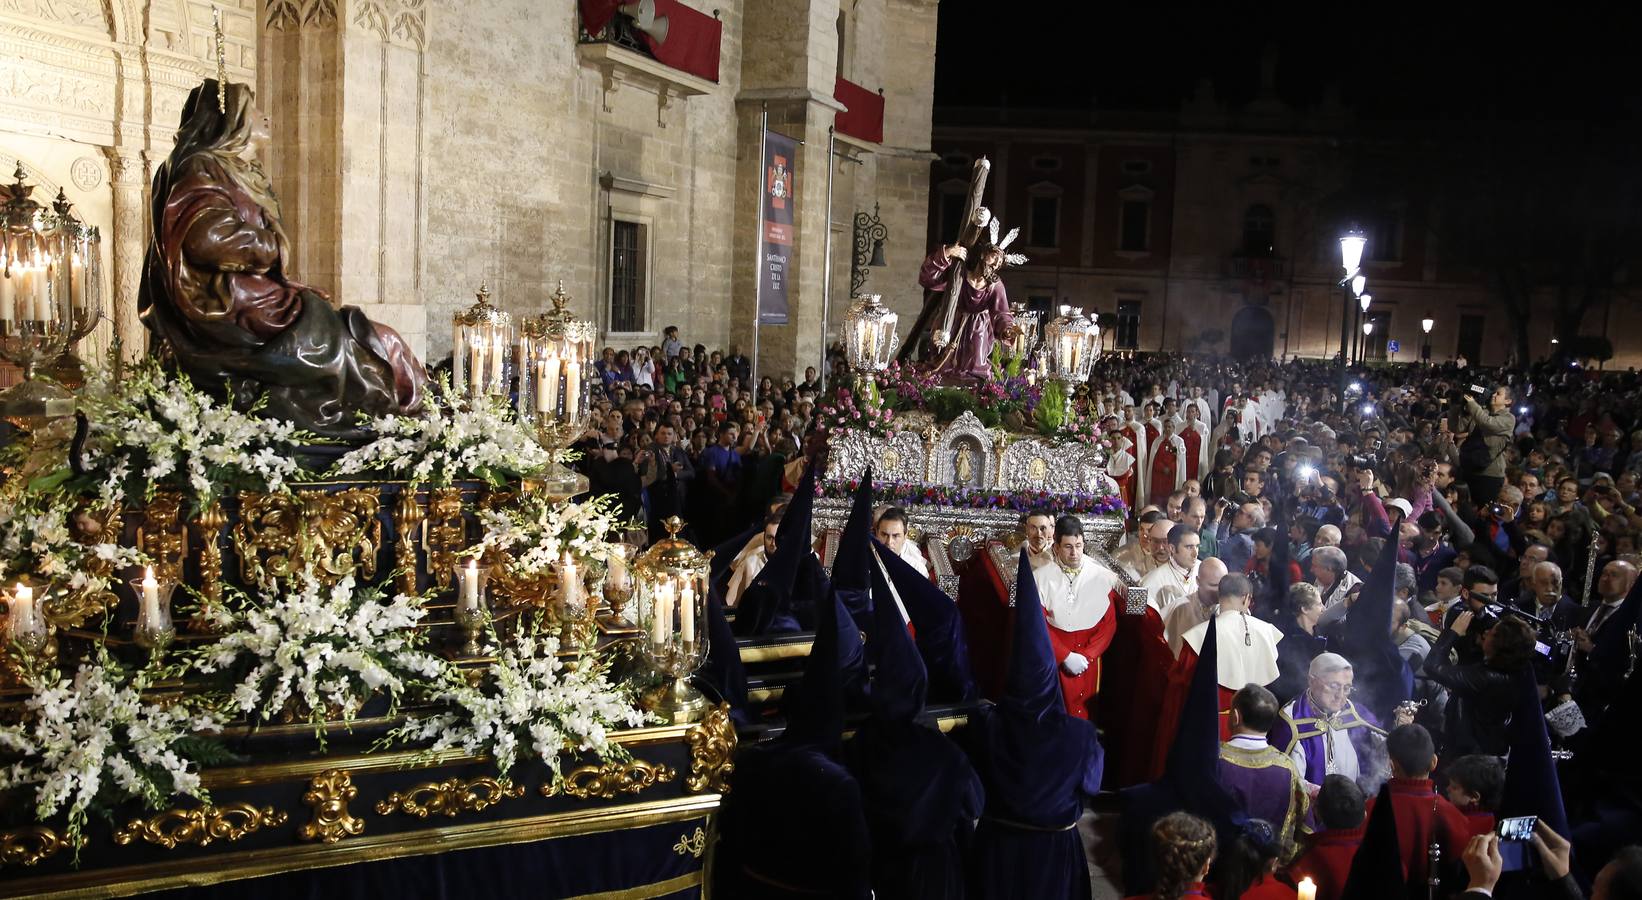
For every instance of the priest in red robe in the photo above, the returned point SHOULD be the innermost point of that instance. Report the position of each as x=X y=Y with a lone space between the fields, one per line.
x=1167 y=467
x=1247 y=652
x=1195 y=435
x=1080 y=600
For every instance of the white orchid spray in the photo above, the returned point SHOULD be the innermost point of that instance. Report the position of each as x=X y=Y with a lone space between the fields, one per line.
x=150 y=429
x=528 y=705
x=91 y=742
x=450 y=441
x=328 y=648
x=536 y=532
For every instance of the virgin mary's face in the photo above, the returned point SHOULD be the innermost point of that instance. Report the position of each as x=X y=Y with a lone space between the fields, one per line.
x=261 y=132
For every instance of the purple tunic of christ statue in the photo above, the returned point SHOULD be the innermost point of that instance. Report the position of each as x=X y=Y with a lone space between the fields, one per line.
x=981 y=316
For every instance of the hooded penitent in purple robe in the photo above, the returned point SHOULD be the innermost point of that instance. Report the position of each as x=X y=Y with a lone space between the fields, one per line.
x=982 y=315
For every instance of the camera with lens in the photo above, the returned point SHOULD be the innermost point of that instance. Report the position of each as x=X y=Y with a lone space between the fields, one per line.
x=1499 y=510
x=1489 y=616
x=1369 y=461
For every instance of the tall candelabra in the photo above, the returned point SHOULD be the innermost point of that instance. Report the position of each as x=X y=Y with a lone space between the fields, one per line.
x=670 y=582
x=555 y=362
x=50 y=298
x=481 y=347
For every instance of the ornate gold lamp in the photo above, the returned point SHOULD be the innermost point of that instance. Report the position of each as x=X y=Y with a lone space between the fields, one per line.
x=1073 y=342
x=670 y=586
x=555 y=358
x=481 y=349
x=870 y=340
x=1029 y=325
x=50 y=298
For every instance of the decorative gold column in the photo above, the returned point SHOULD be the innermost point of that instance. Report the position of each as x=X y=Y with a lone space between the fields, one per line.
x=128 y=179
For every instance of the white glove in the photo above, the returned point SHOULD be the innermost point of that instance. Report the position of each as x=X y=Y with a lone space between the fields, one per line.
x=1075 y=664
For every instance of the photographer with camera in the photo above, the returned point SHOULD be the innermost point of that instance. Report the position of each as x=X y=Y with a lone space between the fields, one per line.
x=1481 y=695
x=1487 y=436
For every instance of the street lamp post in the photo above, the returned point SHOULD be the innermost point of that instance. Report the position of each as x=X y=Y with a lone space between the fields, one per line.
x=1362 y=313
x=1351 y=257
x=1426 y=324
x=1368 y=331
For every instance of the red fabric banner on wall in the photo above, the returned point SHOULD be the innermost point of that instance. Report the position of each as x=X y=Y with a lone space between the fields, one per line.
x=863 y=117
x=689 y=39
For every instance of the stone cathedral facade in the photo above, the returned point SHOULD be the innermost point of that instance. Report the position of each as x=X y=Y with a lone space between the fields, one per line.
x=421 y=147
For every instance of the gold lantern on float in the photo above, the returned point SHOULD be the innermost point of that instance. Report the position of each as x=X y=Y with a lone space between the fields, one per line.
x=481 y=349
x=870 y=340
x=555 y=363
x=1073 y=344
x=1028 y=325
x=670 y=590
x=50 y=298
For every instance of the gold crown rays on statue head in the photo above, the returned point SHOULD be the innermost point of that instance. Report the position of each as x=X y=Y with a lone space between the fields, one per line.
x=222 y=60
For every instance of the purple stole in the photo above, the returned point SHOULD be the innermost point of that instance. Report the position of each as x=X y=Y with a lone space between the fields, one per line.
x=1304 y=728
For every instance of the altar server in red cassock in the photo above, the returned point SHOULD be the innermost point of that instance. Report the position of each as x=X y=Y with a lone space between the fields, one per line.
x=1122 y=465
x=1195 y=435
x=1135 y=431
x=1166 y=471
x=1246 y=650
x=1080 y=600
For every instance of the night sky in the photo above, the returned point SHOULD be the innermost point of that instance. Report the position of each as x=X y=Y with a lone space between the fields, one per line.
x=1402 y=63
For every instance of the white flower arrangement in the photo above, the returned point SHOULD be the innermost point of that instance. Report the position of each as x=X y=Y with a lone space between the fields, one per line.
x=327 y=648
x=450 y=441
x=536 y=532
x=92 y=742
x=37 y=540
x=157 y=428
x=528 y=702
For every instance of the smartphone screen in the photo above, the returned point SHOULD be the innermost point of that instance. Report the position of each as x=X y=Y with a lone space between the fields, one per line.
x=1519 y=828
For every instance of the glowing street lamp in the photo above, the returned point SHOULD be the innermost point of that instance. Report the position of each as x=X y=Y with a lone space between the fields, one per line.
x=1426 y=324
x=1364 y=301
x=1351 y=250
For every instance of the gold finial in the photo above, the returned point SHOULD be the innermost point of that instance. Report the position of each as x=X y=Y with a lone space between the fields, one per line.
x=484 y=293
x=222 y=61
x=560 y=299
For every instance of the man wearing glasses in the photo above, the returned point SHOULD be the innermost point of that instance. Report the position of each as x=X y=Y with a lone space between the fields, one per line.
x=1325 y=734
x=1478 y=590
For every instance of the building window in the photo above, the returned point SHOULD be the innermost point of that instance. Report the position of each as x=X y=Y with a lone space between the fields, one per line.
x=1043 y=226
x=1259 y=232
x=628 y=285
x=1385 y=242
x=1374 y=345
x=1128 y=325
x=1137 y=167
x=1136 y=226
x=1469 y=344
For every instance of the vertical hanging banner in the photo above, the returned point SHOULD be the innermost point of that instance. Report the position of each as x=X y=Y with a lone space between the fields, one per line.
x=775 y=244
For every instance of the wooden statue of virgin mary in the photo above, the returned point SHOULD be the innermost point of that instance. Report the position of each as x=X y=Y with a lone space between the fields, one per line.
x=219 y=303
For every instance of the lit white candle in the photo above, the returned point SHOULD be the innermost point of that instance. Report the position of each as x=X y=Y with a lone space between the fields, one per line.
x=151 y=596
x=550 y=381
x=470 y=586
x=498 y=353
x=42 y=294
x=687 y=615
x=20 y=611
x=476 y=364
x=569 y=583
x=77 y=283
x=572 y=388
x=8 y=296
x=661 y=620
x=1306 y=889
x=458 y=376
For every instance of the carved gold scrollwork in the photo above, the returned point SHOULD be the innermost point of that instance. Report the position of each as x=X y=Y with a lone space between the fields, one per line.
x=447 y=533
x=612 y=778
x=337 y=532
x=712 y=751
x=692 y=844
x=449 y=797
x=408 y=517
x=163 y=535
x=329 y=794
x=64 y=607
x=201 y=826
x=27 y=846
x=208 y=528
